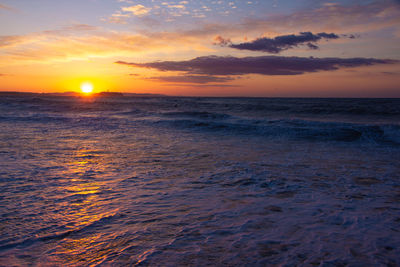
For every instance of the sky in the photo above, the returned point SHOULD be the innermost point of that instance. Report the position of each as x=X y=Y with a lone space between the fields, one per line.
x=269 y=48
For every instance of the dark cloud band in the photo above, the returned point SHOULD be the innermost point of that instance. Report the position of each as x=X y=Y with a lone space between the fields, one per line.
x=279 y=43
x=265 y=65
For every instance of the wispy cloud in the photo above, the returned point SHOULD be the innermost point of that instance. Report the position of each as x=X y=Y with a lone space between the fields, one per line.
x=117 y=18
x=71 y=42
x=279 y=43
x=264 y=65
x=6 y=7
x=81 y=41
x=8 y=41
x=352 y=17
x=12 y=40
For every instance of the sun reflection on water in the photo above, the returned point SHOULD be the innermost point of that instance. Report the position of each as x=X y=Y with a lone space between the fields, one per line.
x=84 y=207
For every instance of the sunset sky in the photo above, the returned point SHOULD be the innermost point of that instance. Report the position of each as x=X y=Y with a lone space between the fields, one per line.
x=203 y=48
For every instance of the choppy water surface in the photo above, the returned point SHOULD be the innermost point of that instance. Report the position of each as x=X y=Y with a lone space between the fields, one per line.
x=199 y=181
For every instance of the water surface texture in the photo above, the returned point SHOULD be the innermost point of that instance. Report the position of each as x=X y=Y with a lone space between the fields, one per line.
x=163 y=181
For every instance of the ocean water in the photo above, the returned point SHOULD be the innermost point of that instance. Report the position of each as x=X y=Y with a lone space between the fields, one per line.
x=167 y=181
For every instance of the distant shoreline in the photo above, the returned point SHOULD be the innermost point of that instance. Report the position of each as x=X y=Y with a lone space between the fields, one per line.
x=77 y=94
x=120 y=94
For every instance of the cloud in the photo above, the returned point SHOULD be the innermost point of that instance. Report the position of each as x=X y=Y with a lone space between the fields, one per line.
x=69 y=30
x=6 y=7
x=350 y=18
x=218 y=85
x=175 y=6
x=345 y=20
x=117 y=18
x=279 y=43
x=82 y=42
x=264 y=65
x=76 y=43
x=12 y=40
x=219 y=40
x=361 y=16
x=137 y=10
x=9 y=41
x=121 y=16
x=79 y=27
x=197 y=79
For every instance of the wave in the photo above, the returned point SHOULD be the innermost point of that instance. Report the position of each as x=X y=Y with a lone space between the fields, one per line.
x=370 y=107
x=197 y=114
x=312 y=119
x=35 y=118
x=61 y=235
x=203 y=107
x=57 y=104
x=296 y=129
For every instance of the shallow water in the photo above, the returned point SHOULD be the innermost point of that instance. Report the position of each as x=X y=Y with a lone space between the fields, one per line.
x=199 y=181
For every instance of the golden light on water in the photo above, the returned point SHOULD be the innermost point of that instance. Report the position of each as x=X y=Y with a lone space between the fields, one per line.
x=87 y=88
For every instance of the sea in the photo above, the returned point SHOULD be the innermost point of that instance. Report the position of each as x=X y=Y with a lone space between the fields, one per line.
x=196 y=181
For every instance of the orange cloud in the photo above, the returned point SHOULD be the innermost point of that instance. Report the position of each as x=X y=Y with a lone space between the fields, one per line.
x=81 y=42
x=137 y=10
x=6 y=7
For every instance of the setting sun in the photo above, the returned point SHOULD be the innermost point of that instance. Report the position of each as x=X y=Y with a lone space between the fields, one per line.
x=86 y=88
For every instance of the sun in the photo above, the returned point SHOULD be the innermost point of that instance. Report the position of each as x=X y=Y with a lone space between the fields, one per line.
x=87 y=88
